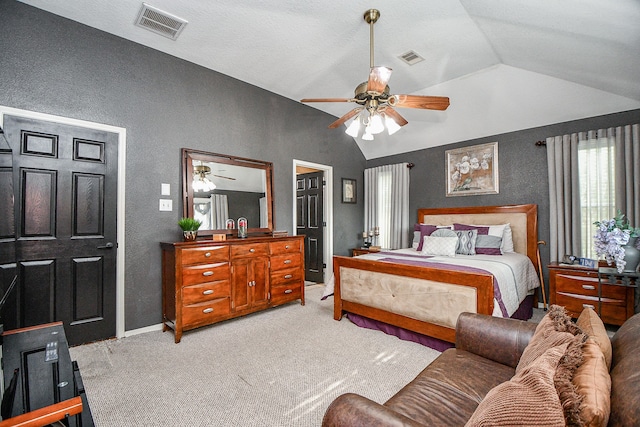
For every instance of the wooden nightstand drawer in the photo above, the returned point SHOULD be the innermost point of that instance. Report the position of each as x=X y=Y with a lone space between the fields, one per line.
x=206 y=291
x=285 y=247
x=286 y=293
x=207 y=255
x=204 y=312
x=205 y=273
x=588 y=286
x=613 y=311
x=280 y=262
x=256 y=249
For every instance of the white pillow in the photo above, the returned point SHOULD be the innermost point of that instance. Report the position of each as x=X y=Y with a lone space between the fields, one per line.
x=439 y=246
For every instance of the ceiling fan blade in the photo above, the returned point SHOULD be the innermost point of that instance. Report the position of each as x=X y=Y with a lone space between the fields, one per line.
x=378 y=79
x=225 y=177
x=325 y=100
x=344 y=118
x=419 y=101
x=401 y=121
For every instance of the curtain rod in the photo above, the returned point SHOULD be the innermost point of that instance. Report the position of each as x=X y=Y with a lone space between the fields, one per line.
x=410 y=165
x=540 y=143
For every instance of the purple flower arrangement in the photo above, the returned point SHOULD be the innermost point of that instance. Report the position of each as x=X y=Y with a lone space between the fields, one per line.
x=611 y=235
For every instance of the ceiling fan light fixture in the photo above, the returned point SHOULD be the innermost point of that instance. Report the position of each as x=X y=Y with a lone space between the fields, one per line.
x=354 y=128
x=203 y=184
x=367 y=136
x=375 y=125
x=391 y=125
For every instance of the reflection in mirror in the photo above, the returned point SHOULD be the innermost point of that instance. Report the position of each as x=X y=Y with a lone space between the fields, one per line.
x=218 y=188
x=8 y=271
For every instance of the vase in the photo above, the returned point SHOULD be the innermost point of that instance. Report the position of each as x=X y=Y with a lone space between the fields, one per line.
x=190 y=235
x=631 y=255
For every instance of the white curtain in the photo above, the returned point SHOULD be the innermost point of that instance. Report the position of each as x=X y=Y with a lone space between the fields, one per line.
x=591 y=175
x=264 y=214
x=386 y=204
x=220 y=211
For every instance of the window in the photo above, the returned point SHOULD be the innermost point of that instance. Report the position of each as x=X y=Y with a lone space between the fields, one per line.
x=596 y=170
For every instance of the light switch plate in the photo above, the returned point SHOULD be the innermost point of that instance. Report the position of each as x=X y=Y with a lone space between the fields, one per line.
x=166 y=205
x=166 y=189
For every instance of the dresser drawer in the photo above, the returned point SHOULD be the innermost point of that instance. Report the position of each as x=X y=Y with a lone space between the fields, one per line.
x=206 y=254
x=286 y=293
x=281 y=277
x=286 y=246
x=588 y=286
x=279 y=262
x=256 y=249
x=205 y=273
x=205 y=292
x=205 y=312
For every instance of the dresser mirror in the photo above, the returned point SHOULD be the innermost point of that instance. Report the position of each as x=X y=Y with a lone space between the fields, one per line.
x=217 y=188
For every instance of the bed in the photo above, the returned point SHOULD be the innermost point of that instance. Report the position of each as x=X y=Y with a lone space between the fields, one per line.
x=402 y=292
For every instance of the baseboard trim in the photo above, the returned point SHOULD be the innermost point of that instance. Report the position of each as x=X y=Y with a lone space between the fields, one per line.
x=144 y=330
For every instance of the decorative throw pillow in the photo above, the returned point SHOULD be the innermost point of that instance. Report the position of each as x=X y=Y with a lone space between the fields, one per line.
x=593 y=383
x=554 y=329
x=425 y=230
x=466 y=242
x=528 y=399
x=488 y=245
x=439 y=246
x=499 y=230
x=591 y=324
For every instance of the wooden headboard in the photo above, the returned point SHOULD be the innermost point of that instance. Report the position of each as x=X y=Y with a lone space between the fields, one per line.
x=523 y=220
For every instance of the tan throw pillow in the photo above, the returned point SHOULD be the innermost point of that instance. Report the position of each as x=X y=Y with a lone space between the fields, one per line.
x=528 y=399
x=593 y=383
x=591 y=324
x=554 y=329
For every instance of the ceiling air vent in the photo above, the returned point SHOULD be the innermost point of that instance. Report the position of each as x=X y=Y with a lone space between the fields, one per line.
x=411 y=57
x=160 y=22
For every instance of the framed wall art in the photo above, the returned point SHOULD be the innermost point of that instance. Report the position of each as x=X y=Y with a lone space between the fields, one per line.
x=472 y=170
x=348 y=190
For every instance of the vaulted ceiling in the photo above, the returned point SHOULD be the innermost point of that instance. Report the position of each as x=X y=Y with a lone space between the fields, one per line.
x=505 y=64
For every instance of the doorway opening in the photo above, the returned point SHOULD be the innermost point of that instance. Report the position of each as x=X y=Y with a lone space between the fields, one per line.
x=304 y=167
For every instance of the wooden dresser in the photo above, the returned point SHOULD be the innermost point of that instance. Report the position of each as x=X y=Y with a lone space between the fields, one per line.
x=205 y=282
x=576 y=287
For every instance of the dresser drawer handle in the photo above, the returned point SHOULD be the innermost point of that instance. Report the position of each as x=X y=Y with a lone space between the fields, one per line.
x=208 y=310
x=288 y=291
x=288 y=276
x=252 y=250
x=207 y=292
x=287 y=261
x=208 y=273
x=207 y=255
x=286 y=247
x=588 y=287
x=588 y=306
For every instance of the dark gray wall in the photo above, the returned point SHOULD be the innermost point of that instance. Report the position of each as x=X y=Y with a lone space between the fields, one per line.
x=523 y=170
x=53 y=65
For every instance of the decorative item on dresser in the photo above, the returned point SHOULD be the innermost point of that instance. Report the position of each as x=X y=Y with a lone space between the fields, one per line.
x=576 y=287
x=205 y=282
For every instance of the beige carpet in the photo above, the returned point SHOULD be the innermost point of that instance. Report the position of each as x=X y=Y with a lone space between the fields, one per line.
x=281 y=367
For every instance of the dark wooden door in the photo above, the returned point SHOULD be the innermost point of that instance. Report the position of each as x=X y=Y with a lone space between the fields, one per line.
x=310 y=222
x=65 y=180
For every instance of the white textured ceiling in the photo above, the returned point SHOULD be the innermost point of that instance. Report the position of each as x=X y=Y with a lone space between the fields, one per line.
x=505 y=64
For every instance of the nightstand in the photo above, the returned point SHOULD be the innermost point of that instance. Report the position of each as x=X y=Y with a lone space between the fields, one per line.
x=576 y=287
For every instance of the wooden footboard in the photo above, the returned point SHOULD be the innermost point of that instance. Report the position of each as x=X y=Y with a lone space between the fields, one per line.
x=431 y=305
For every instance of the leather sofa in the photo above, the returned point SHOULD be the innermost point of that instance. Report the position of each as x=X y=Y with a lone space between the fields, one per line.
x=487 y=351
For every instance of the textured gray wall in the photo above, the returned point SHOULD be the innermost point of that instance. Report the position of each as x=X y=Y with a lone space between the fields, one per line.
x=53 y=65
x=522 y=170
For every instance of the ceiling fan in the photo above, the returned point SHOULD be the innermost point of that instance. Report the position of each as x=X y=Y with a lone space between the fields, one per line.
x=200 y=180
x=375 y=101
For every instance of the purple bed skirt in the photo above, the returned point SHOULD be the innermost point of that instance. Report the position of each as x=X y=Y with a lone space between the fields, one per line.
x=524 y=312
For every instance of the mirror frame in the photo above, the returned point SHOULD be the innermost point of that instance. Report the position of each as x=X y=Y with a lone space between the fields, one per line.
x=189 y=155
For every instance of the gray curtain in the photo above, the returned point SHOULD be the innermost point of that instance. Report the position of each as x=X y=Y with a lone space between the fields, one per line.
x=220 y=211
x=564 y=186
x=386 y=204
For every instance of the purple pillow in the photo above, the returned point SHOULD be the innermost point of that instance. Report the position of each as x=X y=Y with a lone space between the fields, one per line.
x=481 y=230
x=425 y=230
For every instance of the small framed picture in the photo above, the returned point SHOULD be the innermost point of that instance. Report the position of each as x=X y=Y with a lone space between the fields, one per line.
x=348 y=190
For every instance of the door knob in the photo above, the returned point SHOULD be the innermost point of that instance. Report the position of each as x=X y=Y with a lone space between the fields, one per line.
x=109 y=245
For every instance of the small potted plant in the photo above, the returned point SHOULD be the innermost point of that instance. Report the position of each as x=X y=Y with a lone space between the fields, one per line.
x=190 y=228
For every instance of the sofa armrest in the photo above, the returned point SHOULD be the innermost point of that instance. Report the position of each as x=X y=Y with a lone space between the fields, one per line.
x=357 y=411
x=495 y=338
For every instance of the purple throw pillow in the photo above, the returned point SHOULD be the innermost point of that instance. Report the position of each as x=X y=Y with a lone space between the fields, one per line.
x=481 y=230
x=425 y=230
